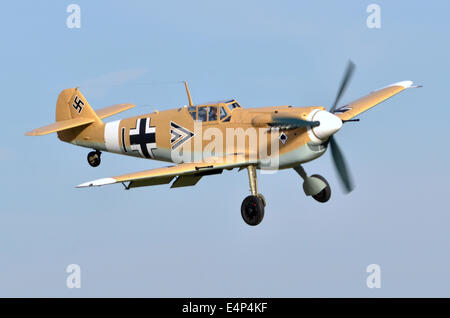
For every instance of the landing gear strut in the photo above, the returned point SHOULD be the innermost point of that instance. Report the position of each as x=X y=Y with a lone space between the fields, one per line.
x=93 y=158
x=252 y=208
x=315 y=185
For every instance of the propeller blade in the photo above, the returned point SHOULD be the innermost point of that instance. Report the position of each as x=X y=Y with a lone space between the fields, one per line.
x=341 y=166
x=347 y=76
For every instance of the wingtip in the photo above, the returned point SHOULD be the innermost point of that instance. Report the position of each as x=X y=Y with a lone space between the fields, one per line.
x=404 y=84
x=407 y=84
x=96 y=183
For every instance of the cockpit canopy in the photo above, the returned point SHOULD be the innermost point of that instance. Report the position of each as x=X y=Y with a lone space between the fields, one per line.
x=213 y=111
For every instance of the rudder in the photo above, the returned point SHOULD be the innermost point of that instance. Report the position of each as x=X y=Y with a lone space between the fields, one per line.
x=72 y=104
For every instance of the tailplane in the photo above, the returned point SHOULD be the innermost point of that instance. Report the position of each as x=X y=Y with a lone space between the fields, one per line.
x=73 y=113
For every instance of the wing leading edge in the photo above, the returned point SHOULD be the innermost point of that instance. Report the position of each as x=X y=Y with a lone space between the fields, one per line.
x=374 y=98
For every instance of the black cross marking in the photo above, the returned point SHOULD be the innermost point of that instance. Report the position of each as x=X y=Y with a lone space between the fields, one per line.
x=78 y=104
x=143 y=138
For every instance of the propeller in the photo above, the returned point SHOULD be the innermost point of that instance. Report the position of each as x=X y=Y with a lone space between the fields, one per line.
x=340 y=165
x=336 y=153
x=347 y=76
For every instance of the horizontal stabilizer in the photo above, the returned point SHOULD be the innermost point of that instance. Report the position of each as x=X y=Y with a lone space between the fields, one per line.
x=112 y=110
x=60 y=125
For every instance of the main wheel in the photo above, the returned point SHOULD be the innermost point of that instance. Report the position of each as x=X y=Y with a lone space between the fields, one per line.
x=252 y=210
x=262 y=198
x=324 y=195
x=93 y=158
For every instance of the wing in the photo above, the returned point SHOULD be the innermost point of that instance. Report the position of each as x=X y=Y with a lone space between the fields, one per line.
x=187 y=174
x=112 y=110
x=60 y=125
x=374 y=98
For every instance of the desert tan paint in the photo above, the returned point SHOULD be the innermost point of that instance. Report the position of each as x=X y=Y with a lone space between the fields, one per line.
x=240 y=119
x=77 y=123
x=365 y=103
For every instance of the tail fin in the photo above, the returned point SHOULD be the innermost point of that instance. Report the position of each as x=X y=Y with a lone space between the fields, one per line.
x=72 y=104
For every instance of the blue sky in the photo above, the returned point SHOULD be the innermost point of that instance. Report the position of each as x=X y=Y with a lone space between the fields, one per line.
x=192 y=242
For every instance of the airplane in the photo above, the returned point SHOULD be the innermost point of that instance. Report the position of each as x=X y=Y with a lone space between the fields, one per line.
x=297 y=135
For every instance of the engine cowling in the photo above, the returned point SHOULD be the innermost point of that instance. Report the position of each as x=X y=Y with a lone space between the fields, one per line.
x=329 y=125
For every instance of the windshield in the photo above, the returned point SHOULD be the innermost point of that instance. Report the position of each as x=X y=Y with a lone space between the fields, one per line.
x=233 y=106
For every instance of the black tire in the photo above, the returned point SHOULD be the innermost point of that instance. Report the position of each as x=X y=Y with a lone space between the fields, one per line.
x=262 y=198
x=324 y=195
x=93 y=158
x=252 y=210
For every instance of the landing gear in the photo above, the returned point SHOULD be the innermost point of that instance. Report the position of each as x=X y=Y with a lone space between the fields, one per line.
x=315 y=185
x=93 y=158
x=252 y=208
x=324 y=195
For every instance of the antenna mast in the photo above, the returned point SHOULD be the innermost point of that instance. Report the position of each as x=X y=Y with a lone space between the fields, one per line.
x=188 y=94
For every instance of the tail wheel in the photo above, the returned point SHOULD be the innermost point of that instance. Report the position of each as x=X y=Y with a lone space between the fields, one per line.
x=252 y=210
x=324 y=195
x=93 y=158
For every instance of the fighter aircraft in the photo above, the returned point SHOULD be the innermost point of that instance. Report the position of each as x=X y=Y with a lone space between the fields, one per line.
x=292 y=136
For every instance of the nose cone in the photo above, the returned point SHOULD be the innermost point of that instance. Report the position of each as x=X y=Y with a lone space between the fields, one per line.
x=329 y=124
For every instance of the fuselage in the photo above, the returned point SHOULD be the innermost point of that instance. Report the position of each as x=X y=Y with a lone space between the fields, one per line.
x=211 y=131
